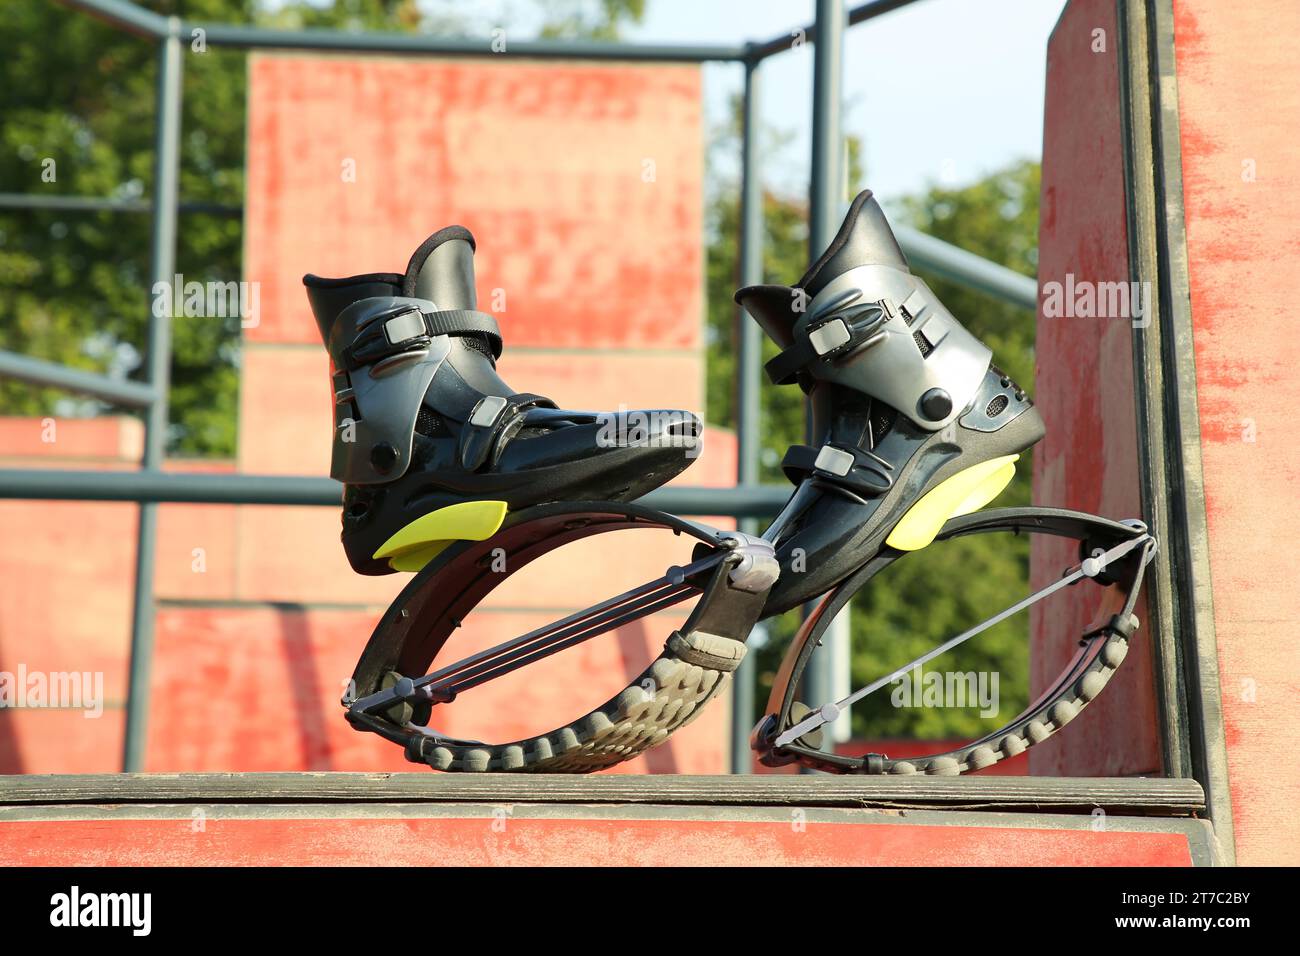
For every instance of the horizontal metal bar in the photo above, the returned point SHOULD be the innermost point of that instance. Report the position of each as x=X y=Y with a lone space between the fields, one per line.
x=122 y=392
x=741 y=501
x=859 y=14
x=244 y=37
x=129 y=17
x=966 y=268
x=869 y=11
x=123 y=15
x=99 y=204
x=164 y=486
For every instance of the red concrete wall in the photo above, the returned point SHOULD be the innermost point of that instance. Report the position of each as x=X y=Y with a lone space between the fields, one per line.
x=1239 y=104
x=1239 y=109
x=582 y=184
x=465 y=839
x=66 y=572
x=1084 y=389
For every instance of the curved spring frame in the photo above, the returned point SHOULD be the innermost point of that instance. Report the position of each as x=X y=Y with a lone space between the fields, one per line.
x=731 y=574
x=1113 y=554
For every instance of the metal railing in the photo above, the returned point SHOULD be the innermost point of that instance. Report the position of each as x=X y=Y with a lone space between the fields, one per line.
x=149 y=486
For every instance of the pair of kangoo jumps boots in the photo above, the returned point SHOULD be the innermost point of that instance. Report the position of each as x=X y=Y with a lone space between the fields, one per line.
x=433 y=446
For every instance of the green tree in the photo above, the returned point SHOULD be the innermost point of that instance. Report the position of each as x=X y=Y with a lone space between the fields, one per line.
x=79 y=107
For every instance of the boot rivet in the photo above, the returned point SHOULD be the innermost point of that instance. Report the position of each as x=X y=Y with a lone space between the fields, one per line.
x=936 y=404
x=383 y=456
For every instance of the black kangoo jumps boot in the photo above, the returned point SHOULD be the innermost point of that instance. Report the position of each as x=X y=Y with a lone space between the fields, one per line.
x=912 y=424
x=432 y=445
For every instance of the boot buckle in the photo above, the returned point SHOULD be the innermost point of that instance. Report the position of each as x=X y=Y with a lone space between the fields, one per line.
x=834 y=461
x=402 y=328
x=856 y=470
x=851 y=331
x=829 y=336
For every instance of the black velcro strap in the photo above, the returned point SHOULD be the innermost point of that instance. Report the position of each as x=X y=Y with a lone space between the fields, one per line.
x=407 y=328
x=826 y=340
x=843 y=465
x=785 y=367
x=465 y=322
x=524 y=400
x=494 y=419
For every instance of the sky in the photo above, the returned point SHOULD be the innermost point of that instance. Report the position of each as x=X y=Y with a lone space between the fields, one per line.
x=942 y=91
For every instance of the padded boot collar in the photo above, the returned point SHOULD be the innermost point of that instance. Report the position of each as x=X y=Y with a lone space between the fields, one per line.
x=329 y=298
x=442 y=270
x=774 y=309
x=864 y=239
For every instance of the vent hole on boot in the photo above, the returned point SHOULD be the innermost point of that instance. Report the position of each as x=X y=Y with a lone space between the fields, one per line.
x=430 y=424
x=480 y=344
x=997 y=406
x=921 y=343
x=882 y=420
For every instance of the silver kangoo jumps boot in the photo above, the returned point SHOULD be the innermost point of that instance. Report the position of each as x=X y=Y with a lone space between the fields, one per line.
x=912 y=422
x=431 y=445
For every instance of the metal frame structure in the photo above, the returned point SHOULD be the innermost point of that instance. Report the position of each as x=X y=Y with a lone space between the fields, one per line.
x=150 y=486
x=1180 y=599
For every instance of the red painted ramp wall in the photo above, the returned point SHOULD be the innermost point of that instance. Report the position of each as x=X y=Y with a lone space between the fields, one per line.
x=1238 y=96
x=1239 y=110
x=533 y=836
x=1084 y=388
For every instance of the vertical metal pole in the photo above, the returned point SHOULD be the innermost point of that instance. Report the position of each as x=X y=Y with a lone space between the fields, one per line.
x=839 y=649
x=827 y=142
x=823 y=202
x=159 y=348
x=747 y=394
